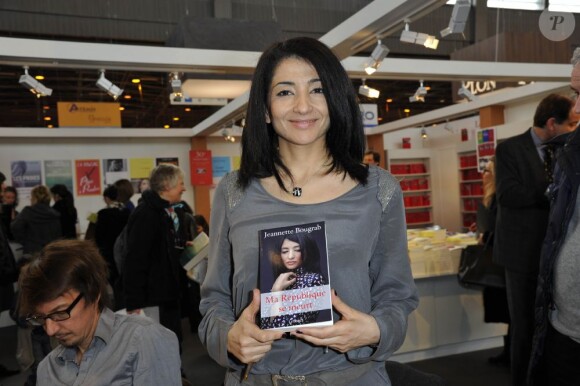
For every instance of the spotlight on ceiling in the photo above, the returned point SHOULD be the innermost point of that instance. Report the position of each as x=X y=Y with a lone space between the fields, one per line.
x=424 y=134
x=458 y=19
x=376 y=58
x=33 y=85
x=176 y=84
x=465 y=93
x=419 y=38
x=108 y=86
x=227 y=136
x=368 y=91
x=420 y=93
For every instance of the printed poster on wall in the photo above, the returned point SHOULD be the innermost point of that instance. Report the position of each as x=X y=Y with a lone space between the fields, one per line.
x=88 y=177
x=115 y=169
x=236 y=161
x=485 y=146
x=167 y=160
x=25 y=176
x=140 y=169
x=58 y=172
x=220 y=166
x=200 y=167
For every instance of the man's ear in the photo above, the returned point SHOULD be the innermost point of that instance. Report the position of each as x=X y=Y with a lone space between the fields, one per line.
x=551 y=124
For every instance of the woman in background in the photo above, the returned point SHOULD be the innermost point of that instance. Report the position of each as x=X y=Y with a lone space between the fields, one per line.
x=125 y=191
x=64 y=204
x=495 y=305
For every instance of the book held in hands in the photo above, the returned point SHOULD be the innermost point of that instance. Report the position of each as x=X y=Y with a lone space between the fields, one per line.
x=294 y=277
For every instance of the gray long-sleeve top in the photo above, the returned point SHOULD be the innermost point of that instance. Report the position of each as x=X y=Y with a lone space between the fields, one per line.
x=368 y=261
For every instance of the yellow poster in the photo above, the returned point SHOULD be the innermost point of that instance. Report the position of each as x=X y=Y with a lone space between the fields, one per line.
x=88 y=114
x=140 y=167
x=236 y=162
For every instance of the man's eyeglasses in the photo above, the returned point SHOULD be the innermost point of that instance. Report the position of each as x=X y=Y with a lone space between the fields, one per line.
x=57 y=316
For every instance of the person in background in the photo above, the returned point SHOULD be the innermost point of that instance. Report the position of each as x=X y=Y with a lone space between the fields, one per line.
x=302 y=151
x=495 y=305
x=64 y=203
x=8 y=275
x=38 y=224
x=201 y=224
x=64 y=291
x=110 y=222
x=8 y=211
x=522 y=176
x=125 y=191
x=155 y=241
x=143 y=185
x=372 y=158
x=556 y=345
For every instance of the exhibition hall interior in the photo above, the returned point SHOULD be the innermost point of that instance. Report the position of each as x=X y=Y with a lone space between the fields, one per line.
x=136 y=83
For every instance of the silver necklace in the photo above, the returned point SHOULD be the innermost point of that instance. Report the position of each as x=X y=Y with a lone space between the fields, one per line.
x=297 y=190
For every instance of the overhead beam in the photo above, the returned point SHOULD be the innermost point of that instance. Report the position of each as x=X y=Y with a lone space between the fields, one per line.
x=60 y=54
x=459 y=110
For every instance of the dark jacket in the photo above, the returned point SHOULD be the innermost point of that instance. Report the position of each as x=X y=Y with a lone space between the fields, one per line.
x=110 y=223
x=35 y=227
x=562 y=194
x=8 y=273
x=522 y=214
x=151 y=275
x=68 y=219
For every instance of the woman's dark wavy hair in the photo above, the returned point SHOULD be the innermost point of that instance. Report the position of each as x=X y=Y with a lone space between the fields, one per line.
x=66 y=196
x=345 y=140
x=308 y=249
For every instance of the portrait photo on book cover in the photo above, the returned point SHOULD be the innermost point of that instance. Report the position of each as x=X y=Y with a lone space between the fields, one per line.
x=294 y=277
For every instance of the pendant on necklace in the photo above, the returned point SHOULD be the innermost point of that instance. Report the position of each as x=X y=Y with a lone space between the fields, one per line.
x=296 y=191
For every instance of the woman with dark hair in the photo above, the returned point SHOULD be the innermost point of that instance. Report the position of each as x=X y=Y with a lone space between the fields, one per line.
x=64 y=203
x=110 y=222
x=301 y=163
x=125 y=192
x=295 y=262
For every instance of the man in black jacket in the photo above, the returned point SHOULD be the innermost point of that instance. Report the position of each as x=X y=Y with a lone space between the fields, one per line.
x=151 y=272
x=522 y=179
x=556 y=347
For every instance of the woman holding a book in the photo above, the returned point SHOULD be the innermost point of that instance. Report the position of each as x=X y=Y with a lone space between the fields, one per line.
x=301 y=162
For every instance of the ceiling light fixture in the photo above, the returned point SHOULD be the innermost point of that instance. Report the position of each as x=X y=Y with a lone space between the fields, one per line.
x=420 y=93
x=458 y=18
x=227 y=136
x=465 y=93
x=108 y=86
x=368 y=91
x=376 y=58
x=424 y=133
x=527 y=5
x=419 y=38
x=33 y=85
x=564 y=6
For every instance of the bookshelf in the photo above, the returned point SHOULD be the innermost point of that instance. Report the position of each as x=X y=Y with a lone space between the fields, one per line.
x=470 y=188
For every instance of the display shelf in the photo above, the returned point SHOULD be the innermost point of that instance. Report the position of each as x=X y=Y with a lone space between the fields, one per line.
x=412 y=169
x=470 y=188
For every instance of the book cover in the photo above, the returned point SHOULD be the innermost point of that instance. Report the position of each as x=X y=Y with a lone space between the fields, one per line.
x=294 y=277
x=193 y=254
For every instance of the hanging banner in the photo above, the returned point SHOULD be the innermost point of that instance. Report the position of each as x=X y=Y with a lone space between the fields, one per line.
x=485 y=145
x=88 y=177
x=200 y=167
x=88 y=114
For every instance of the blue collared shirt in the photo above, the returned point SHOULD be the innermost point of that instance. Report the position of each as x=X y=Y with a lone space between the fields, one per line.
x=126 y=350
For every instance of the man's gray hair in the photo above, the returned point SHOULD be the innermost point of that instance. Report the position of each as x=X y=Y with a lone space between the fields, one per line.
x=164 y=177
x=576 y=57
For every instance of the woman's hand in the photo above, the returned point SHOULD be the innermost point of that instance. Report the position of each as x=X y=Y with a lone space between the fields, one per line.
x=354 y=329
x=246 y=341
x=284 y=281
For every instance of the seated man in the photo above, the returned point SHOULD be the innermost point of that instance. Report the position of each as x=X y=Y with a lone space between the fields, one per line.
x=64 y=290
